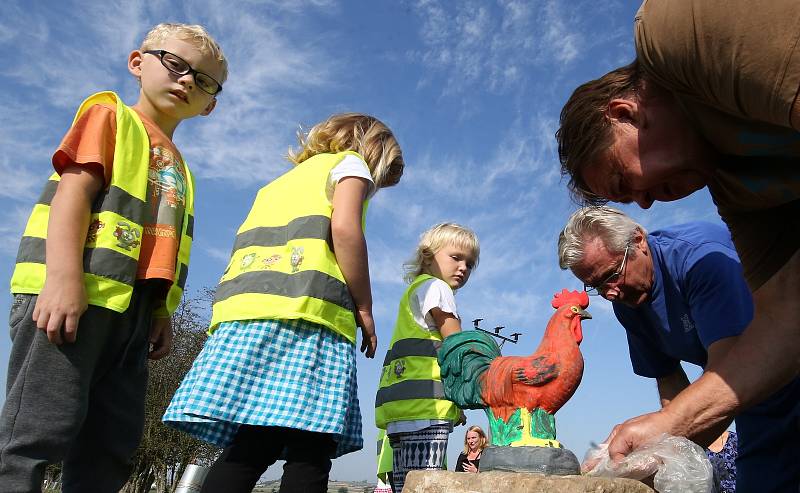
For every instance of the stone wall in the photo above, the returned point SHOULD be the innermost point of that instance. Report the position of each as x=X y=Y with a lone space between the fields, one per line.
x=508 y=482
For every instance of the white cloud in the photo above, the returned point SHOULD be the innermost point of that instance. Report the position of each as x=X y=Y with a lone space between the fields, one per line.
x=492 y=45
x=221 y=254
x=11 y=229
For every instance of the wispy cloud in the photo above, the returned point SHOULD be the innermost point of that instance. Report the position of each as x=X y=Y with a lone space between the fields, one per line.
x=11 y=228
x=494 y=45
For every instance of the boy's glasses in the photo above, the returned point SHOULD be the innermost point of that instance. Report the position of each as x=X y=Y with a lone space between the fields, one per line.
x=179 y=66
x=595 y=290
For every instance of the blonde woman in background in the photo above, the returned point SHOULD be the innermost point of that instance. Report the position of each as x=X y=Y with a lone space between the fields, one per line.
x=474 y=443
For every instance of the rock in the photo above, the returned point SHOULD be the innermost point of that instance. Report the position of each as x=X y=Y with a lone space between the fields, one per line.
x=515 y=482
x=543 y=460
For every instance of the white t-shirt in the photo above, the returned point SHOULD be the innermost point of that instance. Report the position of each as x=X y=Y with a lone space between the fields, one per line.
x=433 y=293
x=349 y=166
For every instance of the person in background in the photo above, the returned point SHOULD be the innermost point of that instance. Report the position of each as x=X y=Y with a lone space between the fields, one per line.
x=410 y=403
x=384 y=450
x=722 y=454
x=474 y=443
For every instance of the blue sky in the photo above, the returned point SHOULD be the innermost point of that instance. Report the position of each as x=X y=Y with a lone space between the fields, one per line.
x=472 y=89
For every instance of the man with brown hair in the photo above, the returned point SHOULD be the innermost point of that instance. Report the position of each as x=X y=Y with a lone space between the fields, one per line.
x=711 y=100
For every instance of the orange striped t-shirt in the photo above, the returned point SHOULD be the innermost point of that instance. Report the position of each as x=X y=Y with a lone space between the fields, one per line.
x=90 y=144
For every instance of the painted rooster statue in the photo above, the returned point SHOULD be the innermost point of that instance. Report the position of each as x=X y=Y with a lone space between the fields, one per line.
x=520 y=394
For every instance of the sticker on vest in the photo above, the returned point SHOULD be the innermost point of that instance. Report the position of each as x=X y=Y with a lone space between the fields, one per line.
x=248 y=261
x=94 y=230
x=399 y=368
x=271 y=260
x=296 y=259
x=127 y=236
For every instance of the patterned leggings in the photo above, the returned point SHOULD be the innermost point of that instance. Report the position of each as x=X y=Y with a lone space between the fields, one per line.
x=423 y=449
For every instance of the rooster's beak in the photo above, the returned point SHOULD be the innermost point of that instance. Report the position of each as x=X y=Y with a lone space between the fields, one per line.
x=584 y=314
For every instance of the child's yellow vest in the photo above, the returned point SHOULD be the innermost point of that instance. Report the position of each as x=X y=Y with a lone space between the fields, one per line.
x=111 y=251
x=411 y=386
x=283 y=266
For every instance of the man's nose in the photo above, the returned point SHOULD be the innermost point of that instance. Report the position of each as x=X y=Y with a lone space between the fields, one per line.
x=610 y=292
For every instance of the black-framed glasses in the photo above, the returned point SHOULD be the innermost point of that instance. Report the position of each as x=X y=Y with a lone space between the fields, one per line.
x=595 y=290
x=179 y=66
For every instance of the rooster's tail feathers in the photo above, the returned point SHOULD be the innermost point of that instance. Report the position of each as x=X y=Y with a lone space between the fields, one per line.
x=463 y=358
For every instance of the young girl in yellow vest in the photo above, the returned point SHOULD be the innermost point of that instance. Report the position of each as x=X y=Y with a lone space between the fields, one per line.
x=277 y=377
x=410 y=404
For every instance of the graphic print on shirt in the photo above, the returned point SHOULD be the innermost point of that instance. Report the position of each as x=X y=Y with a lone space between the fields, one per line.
x=167 y=189
x=167 y=186
x=688 y=325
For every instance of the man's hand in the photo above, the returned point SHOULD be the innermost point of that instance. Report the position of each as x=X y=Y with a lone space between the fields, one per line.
x=369 y=341
x=160 y=337
x=635 y=432
x=60 y=305
x=462 y=420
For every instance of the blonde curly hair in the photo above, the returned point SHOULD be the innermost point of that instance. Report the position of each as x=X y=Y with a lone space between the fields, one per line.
x=436 y=238
x=358 y=132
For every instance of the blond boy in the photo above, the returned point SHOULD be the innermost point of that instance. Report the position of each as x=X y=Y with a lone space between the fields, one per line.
x=101 y=266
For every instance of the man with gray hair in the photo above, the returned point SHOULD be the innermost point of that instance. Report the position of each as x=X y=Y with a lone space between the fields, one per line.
x=680 y=294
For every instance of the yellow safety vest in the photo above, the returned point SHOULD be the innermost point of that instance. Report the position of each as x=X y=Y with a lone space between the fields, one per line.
x=385 y=458
x=111 y=251
x=411 y=387
x=283 y=266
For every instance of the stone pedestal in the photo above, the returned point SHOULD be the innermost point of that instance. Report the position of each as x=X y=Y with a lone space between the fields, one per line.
x=542 y=460
x=515 y=482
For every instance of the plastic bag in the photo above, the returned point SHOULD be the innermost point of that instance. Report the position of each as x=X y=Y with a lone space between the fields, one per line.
x=680 y=465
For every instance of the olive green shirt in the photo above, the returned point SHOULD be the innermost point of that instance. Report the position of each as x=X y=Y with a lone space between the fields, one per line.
x=734 y=68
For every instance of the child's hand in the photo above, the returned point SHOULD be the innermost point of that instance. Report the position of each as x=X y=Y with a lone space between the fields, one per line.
x=60 y=304
x=369 y=341
x=160 y=337
x=62 y=299
x=462 y=420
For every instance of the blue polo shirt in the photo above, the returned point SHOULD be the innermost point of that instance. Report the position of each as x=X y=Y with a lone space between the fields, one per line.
x=699 y=296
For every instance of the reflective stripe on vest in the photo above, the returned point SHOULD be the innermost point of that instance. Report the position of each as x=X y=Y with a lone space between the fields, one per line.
x=410 y=386
x=283 y=266
x=111 y=251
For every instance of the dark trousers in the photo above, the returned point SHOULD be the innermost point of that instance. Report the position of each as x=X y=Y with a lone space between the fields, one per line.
x=769 y=444
x=80 y=403
x=255 y=448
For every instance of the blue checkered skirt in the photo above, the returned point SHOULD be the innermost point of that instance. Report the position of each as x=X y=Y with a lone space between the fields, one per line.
x=287 y=373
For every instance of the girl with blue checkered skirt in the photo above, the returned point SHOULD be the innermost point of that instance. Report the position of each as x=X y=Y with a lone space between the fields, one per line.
x=277 y=377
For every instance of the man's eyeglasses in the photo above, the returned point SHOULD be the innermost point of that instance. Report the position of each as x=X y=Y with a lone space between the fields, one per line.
x=179 y=66
x=596 y=290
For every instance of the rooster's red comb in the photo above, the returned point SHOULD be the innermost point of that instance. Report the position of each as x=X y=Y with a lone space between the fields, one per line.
x=565 y=297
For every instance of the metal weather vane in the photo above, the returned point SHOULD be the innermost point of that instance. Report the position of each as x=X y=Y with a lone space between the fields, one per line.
x=513 y=338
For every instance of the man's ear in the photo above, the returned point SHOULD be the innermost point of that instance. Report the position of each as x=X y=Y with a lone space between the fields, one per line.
x=625 y=111
x=135 y=63
x=211 y=105
x=640 y=241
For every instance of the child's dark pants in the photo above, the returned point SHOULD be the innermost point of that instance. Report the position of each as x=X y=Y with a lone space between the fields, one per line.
x=255 y=448
x=82 y=403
